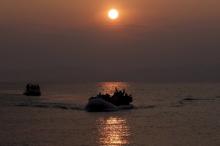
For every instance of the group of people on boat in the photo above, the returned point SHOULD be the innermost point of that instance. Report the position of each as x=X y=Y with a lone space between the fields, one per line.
x=101 y=102
x=120 y=97
x=32 y=90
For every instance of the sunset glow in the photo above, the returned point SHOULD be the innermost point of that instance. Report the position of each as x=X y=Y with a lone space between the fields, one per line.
x=113 y=14
x=109 y=87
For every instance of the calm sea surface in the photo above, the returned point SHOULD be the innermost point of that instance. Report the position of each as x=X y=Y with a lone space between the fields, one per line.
x=144 y=93
x=157 y=113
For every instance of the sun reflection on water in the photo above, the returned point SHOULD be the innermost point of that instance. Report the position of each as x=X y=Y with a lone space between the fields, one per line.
x=109 y=87
x=113 y=131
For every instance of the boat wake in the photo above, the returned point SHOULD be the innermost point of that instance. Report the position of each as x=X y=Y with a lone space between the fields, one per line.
x=81 y=107
x=52 y=105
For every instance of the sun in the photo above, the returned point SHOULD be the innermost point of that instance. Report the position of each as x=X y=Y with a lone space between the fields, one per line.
x=113 y=14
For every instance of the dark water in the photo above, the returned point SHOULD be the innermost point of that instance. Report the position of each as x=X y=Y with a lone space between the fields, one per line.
x=161 y=116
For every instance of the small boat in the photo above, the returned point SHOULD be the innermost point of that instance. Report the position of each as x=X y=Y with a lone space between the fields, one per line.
x=32 y=90
x=120 y=100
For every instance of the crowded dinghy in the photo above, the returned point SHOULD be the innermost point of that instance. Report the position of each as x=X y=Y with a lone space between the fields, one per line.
x=105 y=102
x=32 y=90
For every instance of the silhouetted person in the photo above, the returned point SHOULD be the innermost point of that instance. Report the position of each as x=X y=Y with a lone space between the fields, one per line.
x=27 y=87
x=123 y=92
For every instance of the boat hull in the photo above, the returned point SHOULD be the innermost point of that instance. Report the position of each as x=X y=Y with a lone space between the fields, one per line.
x=100 y=105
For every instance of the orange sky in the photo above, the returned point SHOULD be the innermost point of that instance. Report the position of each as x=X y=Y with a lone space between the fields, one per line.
x=71 y=13
x=151 y=37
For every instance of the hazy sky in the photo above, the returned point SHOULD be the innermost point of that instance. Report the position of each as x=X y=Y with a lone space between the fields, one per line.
x=72 y=40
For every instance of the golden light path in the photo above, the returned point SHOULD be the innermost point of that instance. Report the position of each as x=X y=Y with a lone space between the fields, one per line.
x=109 y=87
x=113 y=14
x=113 y=131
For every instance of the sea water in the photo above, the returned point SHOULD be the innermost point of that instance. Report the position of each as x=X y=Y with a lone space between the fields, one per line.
x=159 y=110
